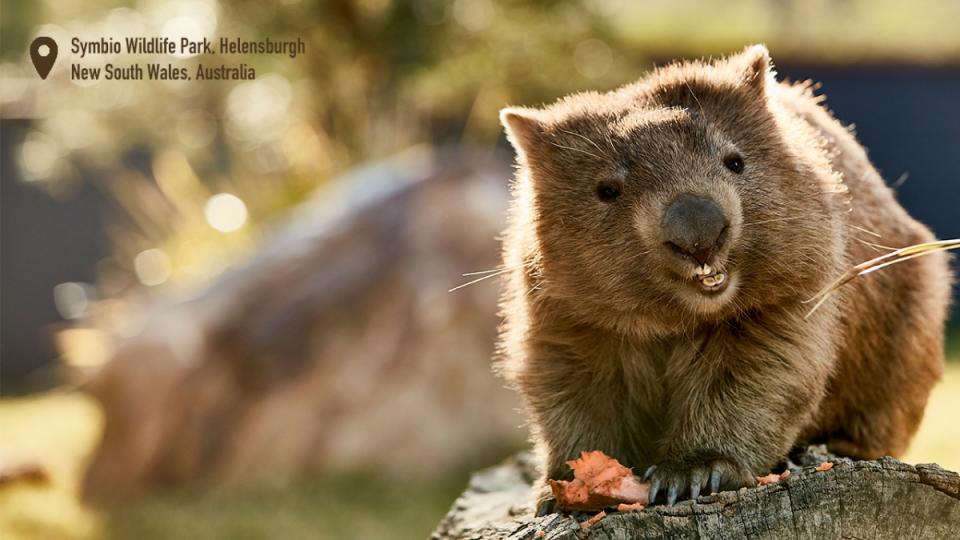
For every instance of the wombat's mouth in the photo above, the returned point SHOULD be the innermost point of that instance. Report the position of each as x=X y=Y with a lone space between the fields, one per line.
x=711 y=280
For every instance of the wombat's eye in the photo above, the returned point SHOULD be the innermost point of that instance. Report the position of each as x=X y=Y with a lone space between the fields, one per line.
x=734 y=162
x=608 y=191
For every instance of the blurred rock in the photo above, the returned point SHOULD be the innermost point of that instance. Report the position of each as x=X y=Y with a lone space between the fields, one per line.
x=336 y=347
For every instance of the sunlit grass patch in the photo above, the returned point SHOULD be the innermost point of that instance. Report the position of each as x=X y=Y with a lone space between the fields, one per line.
x=938 y=440
x=58 y=430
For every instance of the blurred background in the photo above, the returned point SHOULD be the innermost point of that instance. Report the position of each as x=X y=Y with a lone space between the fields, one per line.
x=225 y=308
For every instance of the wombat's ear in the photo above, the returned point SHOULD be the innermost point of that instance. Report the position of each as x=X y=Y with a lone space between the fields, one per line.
x=524 y=128
x=753 y=66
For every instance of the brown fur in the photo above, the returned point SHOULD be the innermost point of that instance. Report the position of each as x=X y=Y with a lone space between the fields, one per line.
x=614 y=349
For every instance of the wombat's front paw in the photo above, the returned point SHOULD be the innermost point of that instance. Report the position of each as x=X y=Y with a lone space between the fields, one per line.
x=685 y=479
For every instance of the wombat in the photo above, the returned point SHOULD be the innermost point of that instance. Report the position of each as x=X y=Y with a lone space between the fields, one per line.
x=664 y=242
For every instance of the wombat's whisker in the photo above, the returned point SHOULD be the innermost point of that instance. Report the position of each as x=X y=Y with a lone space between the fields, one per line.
x=640 y=254
x=861 y=229
x=478 y=280
x=489 y=274
x=874 y=245
x=788 y=218
x=558 y=145
x=609 y=139
x=498 y=269
x=883 y=261
x=481 y=272
x=584 y=137
x=902 y=179
x=695 y=98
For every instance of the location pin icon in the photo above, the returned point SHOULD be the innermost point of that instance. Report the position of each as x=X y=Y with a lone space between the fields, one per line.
x=43 y=52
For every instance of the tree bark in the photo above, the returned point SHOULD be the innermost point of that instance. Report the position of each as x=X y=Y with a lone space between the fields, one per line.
x=855 y=499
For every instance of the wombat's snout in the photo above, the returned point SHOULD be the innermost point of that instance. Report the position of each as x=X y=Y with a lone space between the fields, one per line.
x=694 y=225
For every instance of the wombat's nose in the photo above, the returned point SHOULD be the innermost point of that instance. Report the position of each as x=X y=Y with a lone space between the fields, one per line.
x=695 y=226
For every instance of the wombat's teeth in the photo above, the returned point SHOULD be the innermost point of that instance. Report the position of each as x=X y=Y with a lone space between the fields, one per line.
x=713 y=280
x=704 y=270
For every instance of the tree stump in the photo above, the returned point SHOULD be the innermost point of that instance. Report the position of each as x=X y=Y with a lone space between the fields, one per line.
x=855 y=499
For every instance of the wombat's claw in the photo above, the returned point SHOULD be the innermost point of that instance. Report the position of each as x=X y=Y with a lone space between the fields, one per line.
x=672 y=491
x=680 y=480
x=695 y=481
x=654 y=489
x=546 y=507
x=715 y=479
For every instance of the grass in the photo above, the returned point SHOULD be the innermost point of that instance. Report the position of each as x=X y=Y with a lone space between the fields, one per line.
x=319 y=507
x=938 y=440
x=60 y=429
x=894 y=257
